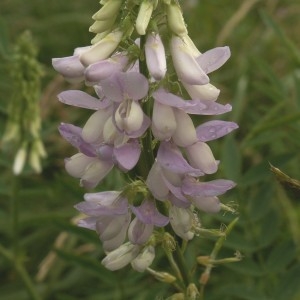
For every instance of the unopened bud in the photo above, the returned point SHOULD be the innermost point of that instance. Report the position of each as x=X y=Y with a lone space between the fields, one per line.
x=20 y=160
x=109 y=10
x=175 y=20
x=143 y=18
x=192 y=292
x=162 y=276
x=103 y=49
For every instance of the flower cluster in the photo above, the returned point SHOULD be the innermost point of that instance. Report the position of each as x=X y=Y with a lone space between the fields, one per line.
x=139 y=124
x=23 y=125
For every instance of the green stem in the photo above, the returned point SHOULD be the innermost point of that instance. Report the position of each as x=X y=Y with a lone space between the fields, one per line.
x=15 y=257
x=22 y=272
x=218 y=245
x=182 y=266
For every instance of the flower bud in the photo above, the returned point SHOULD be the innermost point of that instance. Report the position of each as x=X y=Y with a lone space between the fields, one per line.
x=144 y=259
x=155 y=56
x=109 y=10
x=175 y=19
x=102 y=26
x=103 y=49
x=162 y=276
x=144 y=15
x=20 y=160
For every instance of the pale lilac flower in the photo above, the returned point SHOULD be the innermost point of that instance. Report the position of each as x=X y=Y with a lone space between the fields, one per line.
x=185 y=64
x=70 y=68
x=148 y=214
x=90 y=170
x=96 y=160
x=108 y=214
x=209 y=62
x=128 y=117
x=155 y=56
x=102 y=69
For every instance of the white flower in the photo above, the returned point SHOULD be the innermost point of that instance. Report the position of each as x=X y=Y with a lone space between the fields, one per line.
x=144 y=259
x=120 y=257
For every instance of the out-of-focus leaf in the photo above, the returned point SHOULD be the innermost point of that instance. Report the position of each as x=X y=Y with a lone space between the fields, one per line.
x=247 y=266
x=293 y=49
x=89 y=264
x=241 y=292
x=280 y=256
x=231 y=158
x=288 y=287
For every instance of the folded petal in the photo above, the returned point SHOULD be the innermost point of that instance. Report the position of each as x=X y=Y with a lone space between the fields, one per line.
x=207 y=204
x=202 y=92
x=201 y=157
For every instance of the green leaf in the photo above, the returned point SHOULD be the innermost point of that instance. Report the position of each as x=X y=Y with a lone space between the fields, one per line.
x=280 y=256
x=247 y=266
x=289 y=287
x=240 y=291
x=231 y=158
x=89 y=264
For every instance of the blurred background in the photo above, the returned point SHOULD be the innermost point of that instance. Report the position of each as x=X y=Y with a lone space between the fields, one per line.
x=43 y=255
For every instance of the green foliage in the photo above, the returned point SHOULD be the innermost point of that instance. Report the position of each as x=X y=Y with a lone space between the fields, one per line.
x=261 y=80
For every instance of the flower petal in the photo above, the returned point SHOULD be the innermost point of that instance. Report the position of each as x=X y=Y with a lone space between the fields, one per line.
x=82 y=99
x=214 y=129
x=169 y=157
x=73 y=135
x=148 y=214
x=212 y=188
x=213 y=59
x=128 y=155
x=122 y=86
